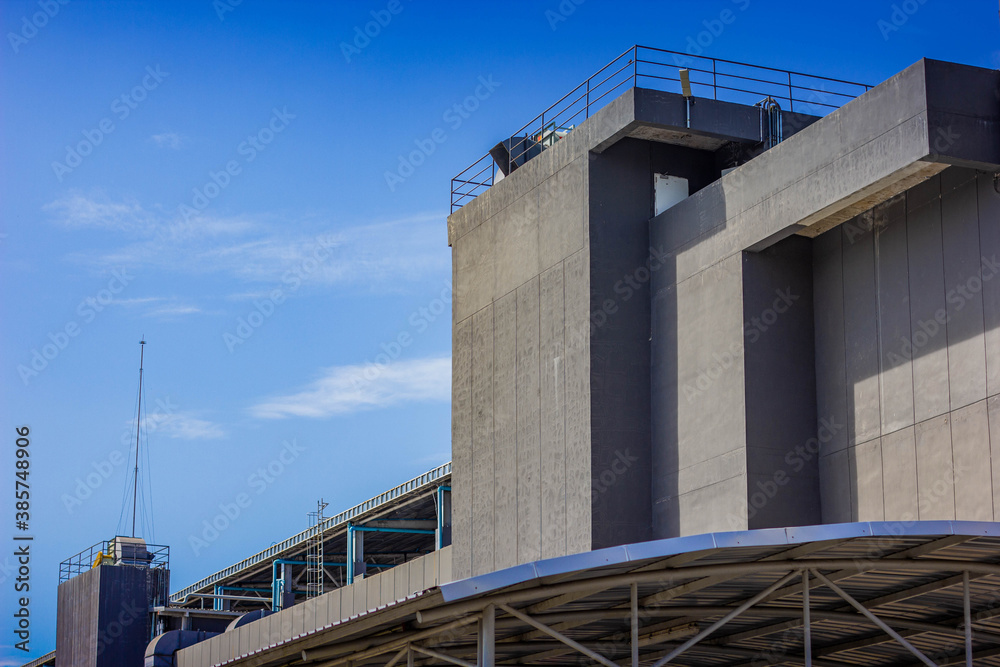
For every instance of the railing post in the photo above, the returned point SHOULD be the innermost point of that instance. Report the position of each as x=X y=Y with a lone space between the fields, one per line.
x=635 y=66
x=715 y=82
x=587 y=111
x=791 y=100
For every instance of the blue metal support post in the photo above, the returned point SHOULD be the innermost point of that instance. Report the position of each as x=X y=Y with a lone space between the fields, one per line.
x=443 y=511
x=276 y=590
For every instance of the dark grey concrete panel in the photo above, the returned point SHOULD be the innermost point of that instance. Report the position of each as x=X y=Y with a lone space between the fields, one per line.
x=776 y=502
x=461 y=446
x=896 y=371
x=828 y=318
x=621 y=201
x=860 y=330
x=505 y=431
x=963 y=113
x=665 y=404
x=709 y=118
x=989 y=241
x=102 y=618
x=529 y=461
x=780 y=380
x=963 y=285
x=552 y=387
x=483 y=466
x=928 y=349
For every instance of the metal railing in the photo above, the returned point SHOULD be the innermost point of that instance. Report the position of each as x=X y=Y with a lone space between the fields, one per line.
x=421 y=482
x=657 y=69
x=155 y=556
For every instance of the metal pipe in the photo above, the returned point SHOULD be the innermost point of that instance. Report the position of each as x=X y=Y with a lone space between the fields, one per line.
x=275 y=602
x=370 y=529
x=187 y=598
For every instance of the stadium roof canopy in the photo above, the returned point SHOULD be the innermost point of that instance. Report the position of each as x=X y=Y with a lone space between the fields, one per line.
x=848 y=594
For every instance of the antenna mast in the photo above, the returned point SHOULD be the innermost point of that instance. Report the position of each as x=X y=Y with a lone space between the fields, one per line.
x=138 y=417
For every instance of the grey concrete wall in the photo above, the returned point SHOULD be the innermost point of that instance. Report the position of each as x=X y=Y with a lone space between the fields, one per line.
x=102 y=618
x=699 y=465
x=521 y=391
x=907 y=306
x=570 y=223
x=77 y=619
x=779 y=372
x=888 y=141
x=623 y=264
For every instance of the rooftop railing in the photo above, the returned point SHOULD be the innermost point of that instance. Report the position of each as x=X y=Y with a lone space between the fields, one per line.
x=144 y=555
x=657 y=69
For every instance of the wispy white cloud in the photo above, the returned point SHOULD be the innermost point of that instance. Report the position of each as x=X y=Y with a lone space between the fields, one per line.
x=346 y=389
x=138 y=301
x=261 y=249
x=159 y=306
x=170 y=140
x=182 y=426
x=77 y=210
x=172 y=310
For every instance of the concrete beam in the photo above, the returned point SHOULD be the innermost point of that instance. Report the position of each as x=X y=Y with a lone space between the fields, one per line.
x=928 y=117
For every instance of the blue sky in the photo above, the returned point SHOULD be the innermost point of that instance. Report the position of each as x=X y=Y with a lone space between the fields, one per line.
x=212 y=176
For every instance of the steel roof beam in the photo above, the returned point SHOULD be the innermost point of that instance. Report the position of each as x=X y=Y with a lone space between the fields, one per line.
x=874 y=619
x=725 y=619
x=697 y=572
x=874 y=602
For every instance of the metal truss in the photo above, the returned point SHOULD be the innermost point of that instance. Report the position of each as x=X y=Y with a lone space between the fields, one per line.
x=534 y=625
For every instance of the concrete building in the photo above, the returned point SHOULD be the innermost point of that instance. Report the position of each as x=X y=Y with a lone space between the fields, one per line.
x=812 y=338
x=726 y=390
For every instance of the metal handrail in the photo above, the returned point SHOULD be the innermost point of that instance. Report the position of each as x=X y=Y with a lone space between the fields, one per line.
x=333 y=522
x=473 y=180
x=96 y=554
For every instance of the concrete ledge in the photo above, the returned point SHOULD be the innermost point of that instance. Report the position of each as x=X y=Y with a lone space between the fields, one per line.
x=930 y=116
x=638 y=112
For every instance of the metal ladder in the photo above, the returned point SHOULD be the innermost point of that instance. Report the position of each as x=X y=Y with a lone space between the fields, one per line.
x=314 y=553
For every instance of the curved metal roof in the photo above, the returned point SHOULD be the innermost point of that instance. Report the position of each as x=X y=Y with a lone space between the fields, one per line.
x=878 y=594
